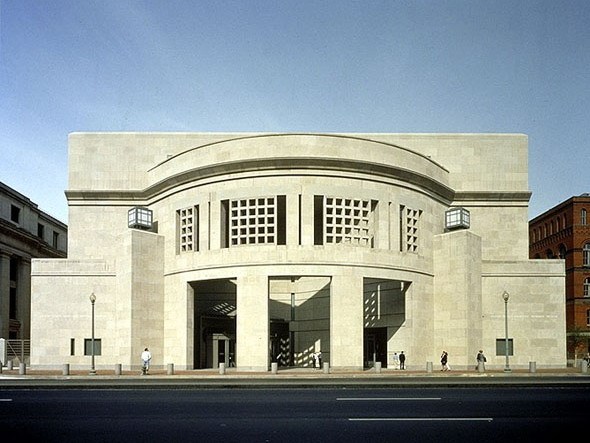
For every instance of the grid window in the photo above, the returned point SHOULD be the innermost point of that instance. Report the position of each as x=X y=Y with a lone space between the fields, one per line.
x=186 y=229
x=587 y=317
x=587 y=287
x=583 y=216
x=253 y=221
x=586 y=253
x=348 y=221
x=409 y=219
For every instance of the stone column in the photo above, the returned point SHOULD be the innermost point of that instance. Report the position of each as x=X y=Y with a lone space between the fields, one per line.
x=307 y=219
x=23 y=297
x=252 y=329
x=346 y=322
x=4 y=294
x=293 y=219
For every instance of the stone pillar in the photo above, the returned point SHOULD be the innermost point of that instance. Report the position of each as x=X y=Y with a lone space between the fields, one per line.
x=4 y=294
x=252 y=324
x=458 y=289
x=203 y=226
x=23 y=297
x=346 y=322
x=214 y=223
x=293 y=219
x=307 y=219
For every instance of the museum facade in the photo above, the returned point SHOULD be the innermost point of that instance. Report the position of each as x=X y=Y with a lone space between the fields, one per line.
x=253 y=248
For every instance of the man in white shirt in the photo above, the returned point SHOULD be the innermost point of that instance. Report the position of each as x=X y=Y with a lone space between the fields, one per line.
x=146 y=357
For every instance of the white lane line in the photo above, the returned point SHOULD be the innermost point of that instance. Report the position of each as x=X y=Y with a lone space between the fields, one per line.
x=5 y=399
x=386 y=398
x=488 y=419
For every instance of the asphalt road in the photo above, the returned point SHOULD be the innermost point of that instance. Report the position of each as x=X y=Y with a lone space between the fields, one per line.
x=339 y=414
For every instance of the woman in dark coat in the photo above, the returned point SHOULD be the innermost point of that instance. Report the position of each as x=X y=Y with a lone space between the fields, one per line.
x=444 y=361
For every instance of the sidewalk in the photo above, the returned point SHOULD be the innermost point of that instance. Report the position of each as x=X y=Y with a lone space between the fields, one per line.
x=293 y=374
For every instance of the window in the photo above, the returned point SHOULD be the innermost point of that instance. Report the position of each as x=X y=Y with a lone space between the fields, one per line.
x=73 y=346
x=587 y=317
x=55 y=239
x=88 y=346
x=587 y=287
x=409 y=219
x=186 y=220
x=12 y=307
x=586 y=254
x=15 y=214
x=501 y=347
x=40 y=231
x=254 y=221
x=562 y=251
x=583 y=216
x=349 y=221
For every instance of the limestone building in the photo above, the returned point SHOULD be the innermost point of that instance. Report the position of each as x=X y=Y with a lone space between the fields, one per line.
x=26 y=232
x=251 y=248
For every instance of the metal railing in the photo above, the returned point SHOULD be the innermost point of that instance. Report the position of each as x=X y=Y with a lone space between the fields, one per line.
x=18 y=349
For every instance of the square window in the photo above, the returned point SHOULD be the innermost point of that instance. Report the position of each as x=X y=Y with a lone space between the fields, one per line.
x=88 y=346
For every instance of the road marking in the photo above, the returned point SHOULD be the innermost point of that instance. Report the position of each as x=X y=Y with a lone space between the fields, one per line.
x=386 y=398
x=488 y=419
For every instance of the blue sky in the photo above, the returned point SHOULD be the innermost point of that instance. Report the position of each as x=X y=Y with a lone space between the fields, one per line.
x=294 y=66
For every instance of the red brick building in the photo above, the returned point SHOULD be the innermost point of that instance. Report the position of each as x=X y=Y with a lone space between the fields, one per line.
x=563 y=232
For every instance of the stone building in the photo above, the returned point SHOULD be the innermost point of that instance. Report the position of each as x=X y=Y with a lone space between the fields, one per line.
x=563 y=232
x=253 y=248
x=26 y=233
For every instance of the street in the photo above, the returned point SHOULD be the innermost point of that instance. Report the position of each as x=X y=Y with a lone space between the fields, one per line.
x=294 y=414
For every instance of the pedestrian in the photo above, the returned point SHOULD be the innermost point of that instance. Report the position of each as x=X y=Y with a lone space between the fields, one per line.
x=481 y=359
x=402 y=360
x=395 y=359
x=146 y=358
x=444 y=361
x=316 y=360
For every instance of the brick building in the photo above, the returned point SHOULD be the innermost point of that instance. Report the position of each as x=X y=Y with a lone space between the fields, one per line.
x=563 y=232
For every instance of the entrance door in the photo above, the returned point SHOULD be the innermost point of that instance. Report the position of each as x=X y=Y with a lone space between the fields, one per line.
x=222 y=350
x=375 y=347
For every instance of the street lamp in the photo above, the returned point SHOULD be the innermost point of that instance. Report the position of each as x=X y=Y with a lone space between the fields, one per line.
x=92 y=300
x=506 y=296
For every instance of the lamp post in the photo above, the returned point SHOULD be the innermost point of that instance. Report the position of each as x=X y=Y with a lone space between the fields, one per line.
x=92 y=300
x=506 y=296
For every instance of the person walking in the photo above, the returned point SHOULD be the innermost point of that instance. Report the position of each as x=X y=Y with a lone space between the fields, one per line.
x=481 y=360
x=444 y=361
x=146 y=358
x=402 y=360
